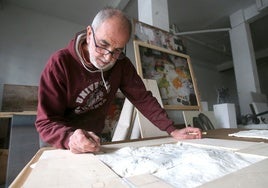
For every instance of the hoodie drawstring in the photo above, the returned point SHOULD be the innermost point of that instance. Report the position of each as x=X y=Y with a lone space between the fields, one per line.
x=104 y=82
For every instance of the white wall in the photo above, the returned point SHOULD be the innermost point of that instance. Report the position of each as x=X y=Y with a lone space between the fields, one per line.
x=27 y=39
x=208 y=81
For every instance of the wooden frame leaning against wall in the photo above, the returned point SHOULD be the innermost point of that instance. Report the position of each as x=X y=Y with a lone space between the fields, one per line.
x=172 y=71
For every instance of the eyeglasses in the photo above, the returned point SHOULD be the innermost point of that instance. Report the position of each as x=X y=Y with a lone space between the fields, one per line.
x=116 y=54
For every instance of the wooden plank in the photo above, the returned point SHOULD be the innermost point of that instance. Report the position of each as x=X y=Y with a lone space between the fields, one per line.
x=27 y=170
x=100 y=175
x=6 y=114
x=224 y=133
x=10 y=114
x=18 y=98
x=25 y=113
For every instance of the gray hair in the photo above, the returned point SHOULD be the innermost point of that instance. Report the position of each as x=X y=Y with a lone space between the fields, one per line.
x=108 y=13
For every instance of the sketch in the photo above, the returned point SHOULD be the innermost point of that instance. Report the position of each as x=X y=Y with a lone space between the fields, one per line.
x=173 y=73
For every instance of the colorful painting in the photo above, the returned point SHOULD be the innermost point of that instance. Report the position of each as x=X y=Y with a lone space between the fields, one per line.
x=173 y=73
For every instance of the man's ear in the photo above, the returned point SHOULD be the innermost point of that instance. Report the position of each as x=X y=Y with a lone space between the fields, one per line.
x=89 y=31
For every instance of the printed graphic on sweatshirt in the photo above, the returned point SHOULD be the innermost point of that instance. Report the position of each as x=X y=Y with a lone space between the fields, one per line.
x=92 y=97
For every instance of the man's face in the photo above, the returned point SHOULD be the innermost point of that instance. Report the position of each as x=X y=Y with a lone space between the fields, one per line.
x=106 y=43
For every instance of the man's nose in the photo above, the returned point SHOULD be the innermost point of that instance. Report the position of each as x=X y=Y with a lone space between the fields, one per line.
x=108 y=57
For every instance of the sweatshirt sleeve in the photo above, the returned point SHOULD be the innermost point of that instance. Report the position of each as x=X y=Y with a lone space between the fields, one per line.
x=133 y=88
x=52 y=100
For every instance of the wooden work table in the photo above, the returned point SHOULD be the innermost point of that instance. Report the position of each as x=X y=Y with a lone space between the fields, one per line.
x=217 y=137
x=223 y=134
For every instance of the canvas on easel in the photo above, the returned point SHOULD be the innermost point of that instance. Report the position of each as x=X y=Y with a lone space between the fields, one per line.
x=146 y=127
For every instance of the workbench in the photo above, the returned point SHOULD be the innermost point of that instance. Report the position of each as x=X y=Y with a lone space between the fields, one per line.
x=252 y=176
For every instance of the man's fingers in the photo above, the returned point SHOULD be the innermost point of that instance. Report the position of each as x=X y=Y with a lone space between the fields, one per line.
x=95 y=138
x=83 y=141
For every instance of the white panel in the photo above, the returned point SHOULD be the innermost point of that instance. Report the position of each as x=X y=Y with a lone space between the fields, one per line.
x=124 y=122
x=147 y=128
x=225 y=115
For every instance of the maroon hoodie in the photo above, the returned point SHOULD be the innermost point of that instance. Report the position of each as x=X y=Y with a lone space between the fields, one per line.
x=71 y=97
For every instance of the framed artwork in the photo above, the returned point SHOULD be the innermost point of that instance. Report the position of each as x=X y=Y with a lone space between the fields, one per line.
x=173 y=73
x=158 y=37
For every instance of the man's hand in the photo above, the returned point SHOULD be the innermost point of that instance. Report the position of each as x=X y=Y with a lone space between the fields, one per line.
x=186 y=133
x=83 y=142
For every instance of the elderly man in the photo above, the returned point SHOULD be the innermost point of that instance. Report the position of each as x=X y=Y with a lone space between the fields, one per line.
x=80 y=81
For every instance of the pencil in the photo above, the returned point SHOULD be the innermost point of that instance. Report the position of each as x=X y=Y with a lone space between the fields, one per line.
x=194 y=133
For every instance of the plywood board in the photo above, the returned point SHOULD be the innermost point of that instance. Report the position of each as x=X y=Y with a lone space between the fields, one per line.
x=147 y=128
x=85 y=170
x=257 y=149
x=19 y=98
x=65 y=169
x=253 y=176
x=147 y=181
